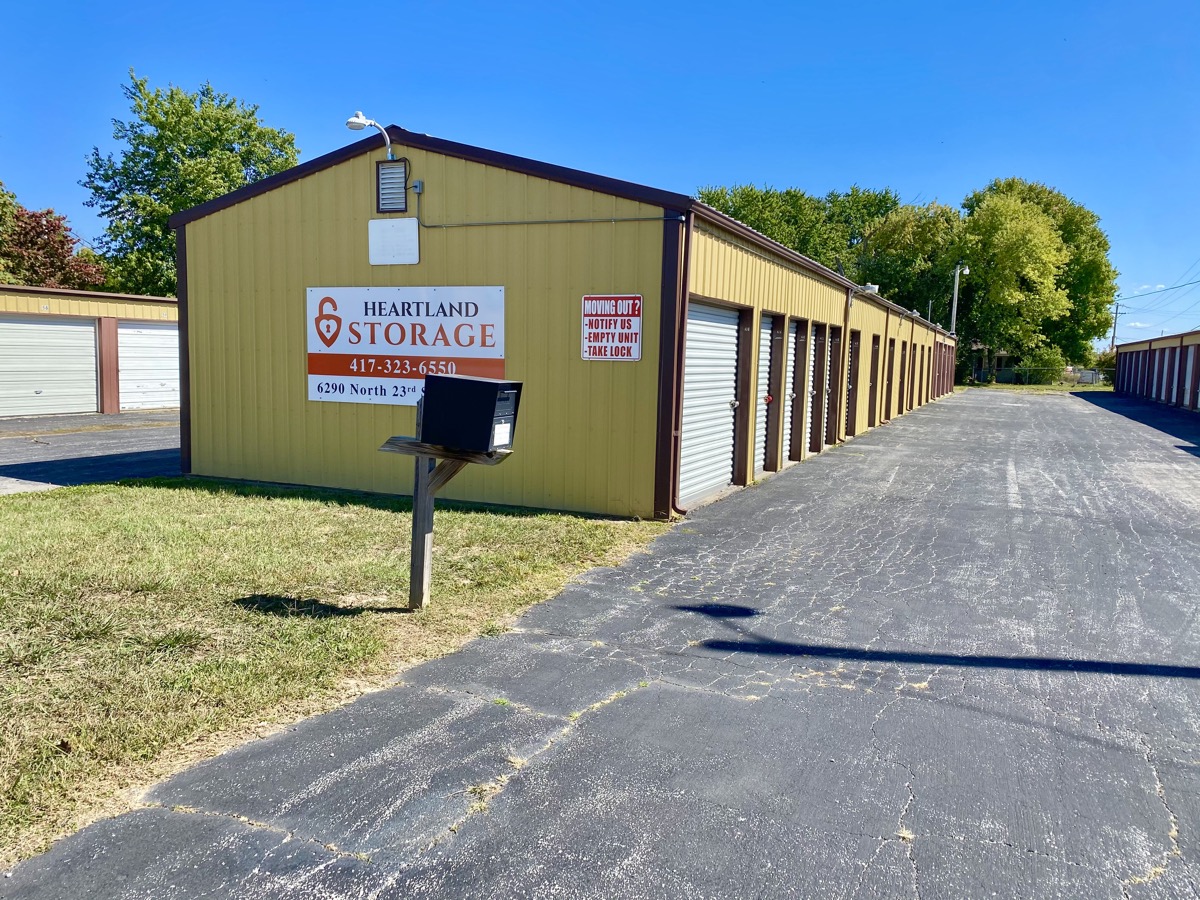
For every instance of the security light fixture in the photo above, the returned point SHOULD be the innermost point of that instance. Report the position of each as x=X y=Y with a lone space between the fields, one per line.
x=358 y=122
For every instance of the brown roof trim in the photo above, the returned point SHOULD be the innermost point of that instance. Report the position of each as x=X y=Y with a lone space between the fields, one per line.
x=574 y=177
x=84 y=295
x=1166 y=337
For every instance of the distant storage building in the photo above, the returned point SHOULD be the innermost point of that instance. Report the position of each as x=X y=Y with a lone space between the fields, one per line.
x=668 y=352
x=1165 y=369
x=65 y=351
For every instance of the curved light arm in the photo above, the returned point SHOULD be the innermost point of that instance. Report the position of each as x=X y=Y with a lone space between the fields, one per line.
x=358 y=122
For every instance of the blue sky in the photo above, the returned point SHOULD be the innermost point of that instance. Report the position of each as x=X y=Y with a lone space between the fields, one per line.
x=1100 y=100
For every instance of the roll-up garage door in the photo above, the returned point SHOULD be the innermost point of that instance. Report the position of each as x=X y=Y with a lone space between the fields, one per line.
x=47 y=366
x=789 y=389
x=812 y=392
x=762 y=391
x=709 y=400
x=148 y=358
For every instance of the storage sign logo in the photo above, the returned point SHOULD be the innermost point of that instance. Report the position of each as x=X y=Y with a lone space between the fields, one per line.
x=376 y=345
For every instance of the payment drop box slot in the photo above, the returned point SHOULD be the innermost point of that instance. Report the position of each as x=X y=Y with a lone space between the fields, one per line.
x=462 y=412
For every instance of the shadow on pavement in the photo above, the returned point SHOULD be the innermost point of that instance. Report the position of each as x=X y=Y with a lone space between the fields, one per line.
x=1178 y=423
x=93 y=469
x=753 y=643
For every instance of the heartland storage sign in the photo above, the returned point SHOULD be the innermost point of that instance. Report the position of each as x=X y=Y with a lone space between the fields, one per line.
x=376 y=345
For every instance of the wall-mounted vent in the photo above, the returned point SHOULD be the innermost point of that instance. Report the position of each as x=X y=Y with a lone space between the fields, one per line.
x=393 y=186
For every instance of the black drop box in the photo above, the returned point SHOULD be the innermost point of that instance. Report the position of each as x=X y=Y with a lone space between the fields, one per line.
x=462 y=412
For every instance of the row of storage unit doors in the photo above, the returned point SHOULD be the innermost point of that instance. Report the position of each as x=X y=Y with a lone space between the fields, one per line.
x=52 y=365
x=810 y=371
x=1166 y=374
x=710 y=396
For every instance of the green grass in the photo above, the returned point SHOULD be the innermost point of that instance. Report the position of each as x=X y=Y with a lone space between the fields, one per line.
x=146 y=625
x=1063 y=387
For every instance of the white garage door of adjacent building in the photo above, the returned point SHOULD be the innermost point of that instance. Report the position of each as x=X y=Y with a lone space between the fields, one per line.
x=709 y=400
x=47 y=366
x=148 y=365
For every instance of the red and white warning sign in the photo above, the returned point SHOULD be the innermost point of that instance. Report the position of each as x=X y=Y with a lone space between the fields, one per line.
x=612 y=327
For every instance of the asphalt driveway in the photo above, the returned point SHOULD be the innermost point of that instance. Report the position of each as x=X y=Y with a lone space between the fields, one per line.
x=957 y=657
x=44 y=452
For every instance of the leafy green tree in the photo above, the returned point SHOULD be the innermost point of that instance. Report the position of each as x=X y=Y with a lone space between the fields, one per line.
x=179 y=149
x=849 y=216
x=829 y=230
x=911 y=252
x=8 y=212
x=1016 y=256
x=1087 y=276
x=1042 y=365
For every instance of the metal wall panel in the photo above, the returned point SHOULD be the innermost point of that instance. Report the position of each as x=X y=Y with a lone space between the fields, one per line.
x=148 y=359
x=47 y=365
x=709 y=400
x=762 y=391
x=85 y=304
x=587 y=431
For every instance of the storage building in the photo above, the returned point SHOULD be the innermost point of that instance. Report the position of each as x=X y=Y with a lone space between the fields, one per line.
x=1164 y=369
x=667 y=351
x=64 y=351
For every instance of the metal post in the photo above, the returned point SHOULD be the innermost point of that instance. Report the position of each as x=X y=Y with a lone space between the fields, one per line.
x=422 y=534
x=954 y=308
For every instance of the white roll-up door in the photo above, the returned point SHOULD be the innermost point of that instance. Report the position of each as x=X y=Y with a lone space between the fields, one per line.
x=709 y=399
x=789 y=388
x=828 y=375
x=762 y=391
x=812 y=393
x=47 y=365
x=148 y=364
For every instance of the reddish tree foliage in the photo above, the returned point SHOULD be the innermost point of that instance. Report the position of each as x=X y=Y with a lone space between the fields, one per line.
x=39 y=250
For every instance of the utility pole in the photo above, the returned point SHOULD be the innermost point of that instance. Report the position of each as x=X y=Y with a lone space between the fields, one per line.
x=954 y=309
x=1116 y=312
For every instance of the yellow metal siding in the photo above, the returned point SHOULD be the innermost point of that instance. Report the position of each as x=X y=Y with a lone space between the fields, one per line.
x=586 y=435
x=727 y=268
x=92 y=306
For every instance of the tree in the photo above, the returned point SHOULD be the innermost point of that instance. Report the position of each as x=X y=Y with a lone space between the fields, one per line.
x=1016 y=256
x=1087 y=277
x=179 y=150
x=38 y=249
x=829 y=230
x=8 y=212
x=912 y=251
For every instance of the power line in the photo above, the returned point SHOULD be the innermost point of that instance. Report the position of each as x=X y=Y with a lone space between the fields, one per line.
x=1173 y=287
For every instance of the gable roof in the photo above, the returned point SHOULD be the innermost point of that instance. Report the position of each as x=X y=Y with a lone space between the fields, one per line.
x=575 y=177
x=668 y=200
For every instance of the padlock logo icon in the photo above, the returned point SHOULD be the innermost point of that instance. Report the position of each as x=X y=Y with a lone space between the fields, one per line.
x=328 y=325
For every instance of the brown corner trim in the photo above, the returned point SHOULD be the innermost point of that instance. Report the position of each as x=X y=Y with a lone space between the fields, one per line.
x=107 y=351
x=185 y=364
x=668 y=369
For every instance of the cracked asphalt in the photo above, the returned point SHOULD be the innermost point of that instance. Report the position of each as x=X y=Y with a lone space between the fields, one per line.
x=956 y=657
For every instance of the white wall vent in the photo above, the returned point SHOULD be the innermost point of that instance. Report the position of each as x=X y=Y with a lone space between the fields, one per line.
x=393 y=186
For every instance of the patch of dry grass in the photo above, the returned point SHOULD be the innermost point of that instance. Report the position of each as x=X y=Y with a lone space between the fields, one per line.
x=144 y=626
